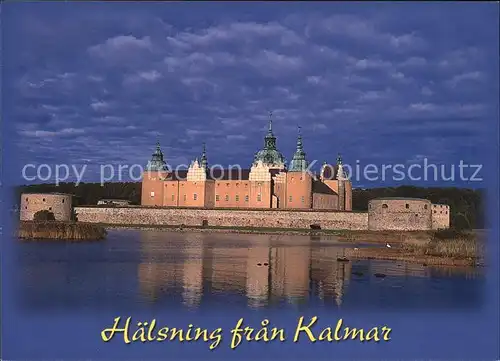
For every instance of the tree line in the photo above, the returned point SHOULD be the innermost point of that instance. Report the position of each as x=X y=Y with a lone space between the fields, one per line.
x=467 y=208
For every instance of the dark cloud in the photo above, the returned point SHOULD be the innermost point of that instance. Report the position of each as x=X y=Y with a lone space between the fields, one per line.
x=104 y=81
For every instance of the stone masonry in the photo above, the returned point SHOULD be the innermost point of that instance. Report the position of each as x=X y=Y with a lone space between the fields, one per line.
x=58 y=203
x=219 y=217
x=406 y=214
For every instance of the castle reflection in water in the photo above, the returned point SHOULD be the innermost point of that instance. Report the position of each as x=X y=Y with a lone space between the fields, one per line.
x=263 y=268
x=137 y=268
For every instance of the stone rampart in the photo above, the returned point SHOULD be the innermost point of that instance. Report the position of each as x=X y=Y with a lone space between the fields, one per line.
x=57 y=203
x=223 y=218
x=403 y=214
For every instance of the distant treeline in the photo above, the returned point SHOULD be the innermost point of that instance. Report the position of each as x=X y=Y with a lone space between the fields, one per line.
x=467 y=209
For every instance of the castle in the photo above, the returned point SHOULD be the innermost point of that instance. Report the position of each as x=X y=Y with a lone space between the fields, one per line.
x=267 y=195
x=268 y=184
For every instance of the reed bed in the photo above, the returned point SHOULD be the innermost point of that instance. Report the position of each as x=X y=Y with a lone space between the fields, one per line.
x=30 y=230
x=447 y=243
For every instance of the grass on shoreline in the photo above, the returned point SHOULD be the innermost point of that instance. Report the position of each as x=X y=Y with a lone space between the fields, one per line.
x=30 y=230
x=447 y=243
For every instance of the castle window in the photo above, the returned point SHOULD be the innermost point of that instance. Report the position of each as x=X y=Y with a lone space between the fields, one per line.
x=173 y=197
x=259 y=197
x=446 y=212
x=425 y=207
x=50 y=208
x=290 y=199
x=152 y=194
x=43 y=199
x=237 y=184
x=407 y=206
x=237 y=198
x=441 y=212
x=63 y=200
x=26 y=199
x=195 y=196
x=301 y=178
x=26 y=207
x=227 y=197
x=435 y=211
x=246 y=198
x=217 y=197
x=184 y=197
x=384 y=205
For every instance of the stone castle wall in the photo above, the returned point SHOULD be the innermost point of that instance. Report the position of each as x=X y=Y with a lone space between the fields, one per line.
x=440 y=216
x=59 y=204
x=406 y=214
x=219 y=217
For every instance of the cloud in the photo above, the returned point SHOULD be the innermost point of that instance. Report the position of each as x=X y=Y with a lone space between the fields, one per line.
x=44 y=133
x=119 y=44
x=352 y=79
x=142 y=76
x=465 y=77
x=99 y=105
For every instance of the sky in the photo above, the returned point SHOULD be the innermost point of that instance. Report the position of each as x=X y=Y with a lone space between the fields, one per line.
x=385 y=83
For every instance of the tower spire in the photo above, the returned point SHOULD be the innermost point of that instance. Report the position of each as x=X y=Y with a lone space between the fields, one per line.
x=299 y=162
x=204 y=161
x=270 y=139
x=340 y=168
x=270 y=130
x=299 y=139
x=157 y=163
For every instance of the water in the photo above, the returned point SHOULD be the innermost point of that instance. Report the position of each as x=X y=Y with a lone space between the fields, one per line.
x=136 y=270
x=64 y=294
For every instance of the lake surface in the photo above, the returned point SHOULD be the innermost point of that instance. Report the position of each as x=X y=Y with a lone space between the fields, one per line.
x=148 y=270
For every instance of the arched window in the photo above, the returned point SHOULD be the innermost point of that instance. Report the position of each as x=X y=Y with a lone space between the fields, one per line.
x=425 y=206
x=385 y=206
x=407 y=206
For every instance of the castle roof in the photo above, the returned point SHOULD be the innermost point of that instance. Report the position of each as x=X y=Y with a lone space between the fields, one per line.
x=157 y=163
x=320 y=187
x=270 y=155
x=299 y=162
x=213 y=174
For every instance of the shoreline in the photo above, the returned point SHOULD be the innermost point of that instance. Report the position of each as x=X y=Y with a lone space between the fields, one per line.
x=42 y=230
x=399 y=241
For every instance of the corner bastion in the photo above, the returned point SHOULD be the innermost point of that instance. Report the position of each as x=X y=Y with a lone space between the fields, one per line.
x=406 y=214
x=58 y=203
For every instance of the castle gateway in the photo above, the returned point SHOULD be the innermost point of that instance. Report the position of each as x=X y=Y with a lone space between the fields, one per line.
x=268 y=184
